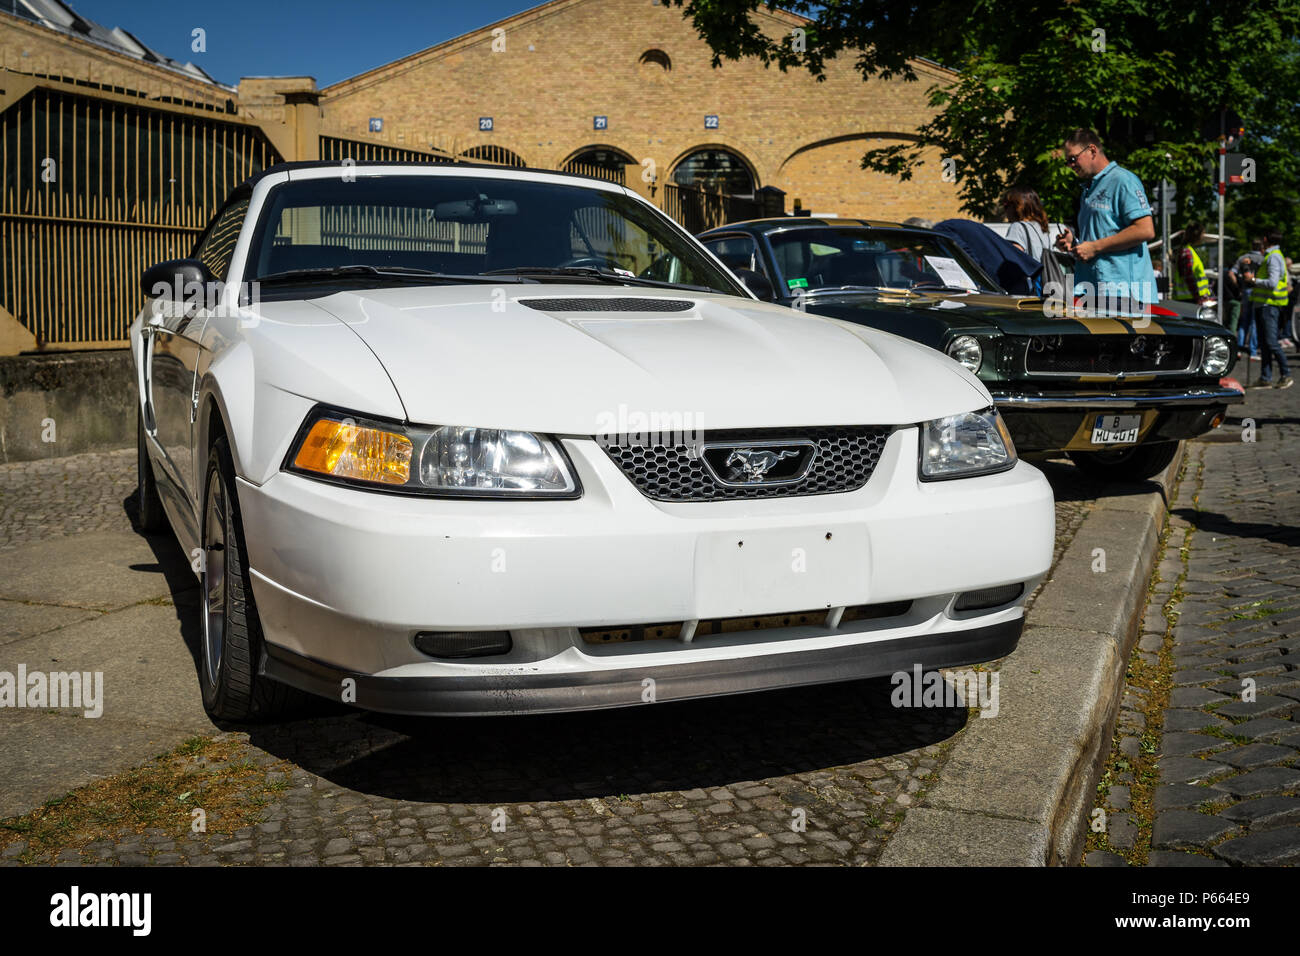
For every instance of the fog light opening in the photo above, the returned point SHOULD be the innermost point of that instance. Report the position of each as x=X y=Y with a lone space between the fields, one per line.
x=985 y=598
x=455 y=644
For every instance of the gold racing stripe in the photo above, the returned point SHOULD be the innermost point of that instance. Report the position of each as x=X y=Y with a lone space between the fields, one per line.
x=1098 y=326
x=1146 y=325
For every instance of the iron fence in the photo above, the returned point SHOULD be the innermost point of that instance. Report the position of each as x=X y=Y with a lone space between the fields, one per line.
x=96 y=189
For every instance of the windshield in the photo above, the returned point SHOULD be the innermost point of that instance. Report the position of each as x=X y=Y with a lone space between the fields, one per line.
x=830 y=257
x=470 y=227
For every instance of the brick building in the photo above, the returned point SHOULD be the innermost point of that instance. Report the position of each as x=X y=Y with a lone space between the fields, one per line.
x=117 y=155
x=613 y=82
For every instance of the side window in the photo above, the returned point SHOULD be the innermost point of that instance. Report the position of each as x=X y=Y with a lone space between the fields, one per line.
x=219 y=245
x=737 y=252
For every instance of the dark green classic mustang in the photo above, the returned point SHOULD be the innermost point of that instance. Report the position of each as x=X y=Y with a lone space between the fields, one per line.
x=1115 y=391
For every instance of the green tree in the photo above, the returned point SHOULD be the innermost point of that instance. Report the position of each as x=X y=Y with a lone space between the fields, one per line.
x=1150 y=77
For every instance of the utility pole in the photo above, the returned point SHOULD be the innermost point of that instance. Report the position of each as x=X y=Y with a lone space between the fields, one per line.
x=1223 y=189
x=1166 y=209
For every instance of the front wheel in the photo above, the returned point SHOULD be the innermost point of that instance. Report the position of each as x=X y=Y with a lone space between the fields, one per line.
x=1130 y=464
x=232 y=634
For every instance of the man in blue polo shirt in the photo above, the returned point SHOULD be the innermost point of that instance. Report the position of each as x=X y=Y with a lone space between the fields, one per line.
x=1115 y=224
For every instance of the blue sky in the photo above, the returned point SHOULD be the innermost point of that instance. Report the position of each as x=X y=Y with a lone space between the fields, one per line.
x=328 y=39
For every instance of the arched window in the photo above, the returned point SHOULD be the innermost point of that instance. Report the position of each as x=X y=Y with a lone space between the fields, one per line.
x=602 y=161
x=493 y=154
x=716 y=169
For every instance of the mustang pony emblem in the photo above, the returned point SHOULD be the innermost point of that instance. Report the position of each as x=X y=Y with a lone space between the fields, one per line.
x=1159 y=352
x=753 y=465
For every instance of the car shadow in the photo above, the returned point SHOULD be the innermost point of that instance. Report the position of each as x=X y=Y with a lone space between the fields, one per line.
x=1070 y=483
x=685 y=745
x=172 y=562
x=1274 y=420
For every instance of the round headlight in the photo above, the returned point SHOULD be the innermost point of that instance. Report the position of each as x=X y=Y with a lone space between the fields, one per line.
x=1208 y=312
x=966 y=350
x=1217 y=355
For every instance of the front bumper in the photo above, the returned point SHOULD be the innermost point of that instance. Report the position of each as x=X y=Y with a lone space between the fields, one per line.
x=585 y=689
x=344 y=579
x=1051 y=420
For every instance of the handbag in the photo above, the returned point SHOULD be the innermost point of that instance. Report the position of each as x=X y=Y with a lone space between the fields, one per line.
x=1055 y=274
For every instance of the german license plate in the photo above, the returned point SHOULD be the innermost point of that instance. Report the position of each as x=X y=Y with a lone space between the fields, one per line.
x=1116 y=429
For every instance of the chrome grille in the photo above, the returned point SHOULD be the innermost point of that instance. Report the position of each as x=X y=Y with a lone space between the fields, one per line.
x=1109 y=354
x=846 y=457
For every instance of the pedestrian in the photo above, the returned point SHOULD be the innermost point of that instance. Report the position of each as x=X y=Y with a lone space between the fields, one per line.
x=1190 y=283
x=1246 y=334
x=1231 y=306
x=1286 y=323
x=1029 y=226
x=1268 y=293
x=1115 y=223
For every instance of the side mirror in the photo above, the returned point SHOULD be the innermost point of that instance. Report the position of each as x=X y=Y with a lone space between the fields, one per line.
x=757 y=283
x=178 y=280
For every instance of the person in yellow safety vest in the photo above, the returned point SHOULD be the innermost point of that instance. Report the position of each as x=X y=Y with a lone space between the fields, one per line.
x=1268 y=293
x=1189 y=281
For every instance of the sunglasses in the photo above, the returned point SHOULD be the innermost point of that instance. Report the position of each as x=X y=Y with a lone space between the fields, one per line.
x=1074 y=160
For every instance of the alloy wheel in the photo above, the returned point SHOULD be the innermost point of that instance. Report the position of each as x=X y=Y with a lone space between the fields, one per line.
x=214 y=578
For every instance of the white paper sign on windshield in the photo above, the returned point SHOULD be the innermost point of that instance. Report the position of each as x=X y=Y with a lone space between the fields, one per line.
x=950 y=272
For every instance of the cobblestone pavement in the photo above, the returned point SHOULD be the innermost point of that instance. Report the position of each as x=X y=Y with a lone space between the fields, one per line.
x=1206 y=771
x=58 y=496
x=819 y=775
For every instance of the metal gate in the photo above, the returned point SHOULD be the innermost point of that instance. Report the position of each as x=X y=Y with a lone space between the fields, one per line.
x=96 y=189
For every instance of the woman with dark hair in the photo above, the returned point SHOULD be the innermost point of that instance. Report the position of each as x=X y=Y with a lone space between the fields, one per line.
x=1028 y=219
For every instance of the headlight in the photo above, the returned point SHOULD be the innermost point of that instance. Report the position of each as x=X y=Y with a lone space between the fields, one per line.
x=1209 y=312
x=974 y=443
x=451 y=460
x=966 y=350
x=1218 y=353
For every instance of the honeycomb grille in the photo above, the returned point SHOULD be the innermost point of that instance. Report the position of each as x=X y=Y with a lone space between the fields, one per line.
x=608 y=304
x=846 y=457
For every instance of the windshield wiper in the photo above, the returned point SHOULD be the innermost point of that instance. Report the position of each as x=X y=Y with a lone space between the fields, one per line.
x=398 y=273
x=898 y=289
x=590 y=272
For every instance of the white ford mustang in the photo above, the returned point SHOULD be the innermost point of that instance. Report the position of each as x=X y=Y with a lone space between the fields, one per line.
x=455 y=440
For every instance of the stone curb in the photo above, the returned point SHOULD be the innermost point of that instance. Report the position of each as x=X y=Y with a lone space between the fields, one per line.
x=1017 y=788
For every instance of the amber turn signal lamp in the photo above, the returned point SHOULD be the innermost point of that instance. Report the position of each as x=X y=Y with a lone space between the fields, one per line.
x=344 y=449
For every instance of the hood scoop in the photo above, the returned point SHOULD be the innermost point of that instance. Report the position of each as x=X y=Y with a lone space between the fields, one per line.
x=607 y=304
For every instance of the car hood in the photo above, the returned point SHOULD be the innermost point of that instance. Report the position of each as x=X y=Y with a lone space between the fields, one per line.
x=1009 y=314
x=569 y=359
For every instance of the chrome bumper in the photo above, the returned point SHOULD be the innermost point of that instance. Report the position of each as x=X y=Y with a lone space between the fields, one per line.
x=1134 y=399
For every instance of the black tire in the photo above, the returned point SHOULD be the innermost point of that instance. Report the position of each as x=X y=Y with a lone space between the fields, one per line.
x=1130 y=464
x=149 y=509
x=232 y=688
